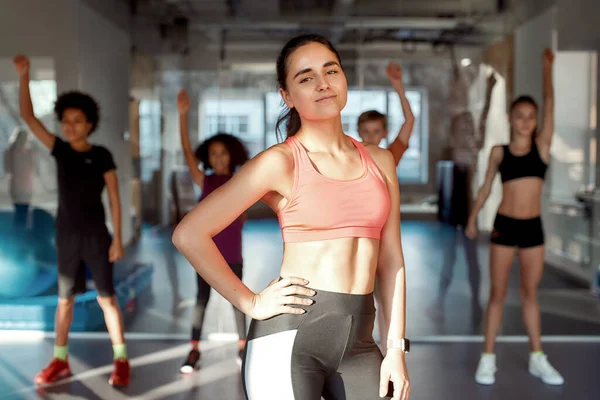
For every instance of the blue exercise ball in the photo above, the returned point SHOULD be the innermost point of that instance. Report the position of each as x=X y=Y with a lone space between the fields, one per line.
x=17 y=275
x=27 y=257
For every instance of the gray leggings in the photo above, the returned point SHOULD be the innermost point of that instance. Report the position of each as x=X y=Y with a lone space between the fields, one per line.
x=327 y=352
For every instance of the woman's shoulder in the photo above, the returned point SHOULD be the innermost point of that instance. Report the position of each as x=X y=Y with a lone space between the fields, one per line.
x=497 y=152
x=278 y=157
x=379 y=154
x=281 y=152
x=383 y=158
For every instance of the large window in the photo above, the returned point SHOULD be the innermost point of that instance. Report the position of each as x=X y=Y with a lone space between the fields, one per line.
x=150 y=139
x=43 y=96
x=234 y=124
x=413 y=167
x=41 y=168
x=273 y=109
x=252 y=118
x=242 y=117
x=358 y=102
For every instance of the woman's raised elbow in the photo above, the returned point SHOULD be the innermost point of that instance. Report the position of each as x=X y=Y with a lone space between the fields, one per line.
x=181 y=235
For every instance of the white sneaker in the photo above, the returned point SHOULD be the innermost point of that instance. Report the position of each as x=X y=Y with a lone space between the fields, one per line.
x=540 y=367
x=486 y=370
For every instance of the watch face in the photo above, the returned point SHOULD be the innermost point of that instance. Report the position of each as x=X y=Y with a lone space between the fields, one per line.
x=402 y=344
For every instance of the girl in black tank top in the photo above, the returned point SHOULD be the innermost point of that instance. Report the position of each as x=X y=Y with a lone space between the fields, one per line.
x=526 y=235
x=527 y=165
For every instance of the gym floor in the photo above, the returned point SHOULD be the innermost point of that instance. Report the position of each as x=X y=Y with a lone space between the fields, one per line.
x=446 y=342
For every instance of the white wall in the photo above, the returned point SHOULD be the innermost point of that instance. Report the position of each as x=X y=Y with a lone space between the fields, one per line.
x=578 y=25
x=530 y=40
x=90 y=54
x=103 y=53
x=44 y=29
x=573 y=88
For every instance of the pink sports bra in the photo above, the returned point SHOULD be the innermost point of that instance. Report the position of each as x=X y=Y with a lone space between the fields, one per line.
x=322 y=208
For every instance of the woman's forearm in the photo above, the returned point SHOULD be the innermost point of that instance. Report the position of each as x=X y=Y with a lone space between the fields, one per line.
x=392 y=285
x=548 y=87
x=115 y=208
x=482 y=196
x=190 y=158
x=25 y=104
x=404 y=103
x=185 y=142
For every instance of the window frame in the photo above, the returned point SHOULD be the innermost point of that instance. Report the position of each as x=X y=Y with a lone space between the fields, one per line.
x=422 y=124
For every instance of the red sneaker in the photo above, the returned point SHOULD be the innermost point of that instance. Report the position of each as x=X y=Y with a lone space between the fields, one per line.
x=57 y=369
x=120 y=376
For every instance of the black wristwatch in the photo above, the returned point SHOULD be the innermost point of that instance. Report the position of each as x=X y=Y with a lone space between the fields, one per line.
x=402 y=344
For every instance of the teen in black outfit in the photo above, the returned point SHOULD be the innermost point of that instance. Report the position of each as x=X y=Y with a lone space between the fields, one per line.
x=82 y=237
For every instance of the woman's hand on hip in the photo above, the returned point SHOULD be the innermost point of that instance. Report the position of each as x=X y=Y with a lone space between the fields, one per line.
x=279 y=298
x=393 y=369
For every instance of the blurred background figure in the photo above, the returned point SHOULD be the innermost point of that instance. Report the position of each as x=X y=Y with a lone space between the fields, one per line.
x=19 y=166
x=466 y=141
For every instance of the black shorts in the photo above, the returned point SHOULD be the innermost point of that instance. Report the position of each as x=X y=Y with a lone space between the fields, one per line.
x=75 y=251
x=521 y=233
x=327 y=352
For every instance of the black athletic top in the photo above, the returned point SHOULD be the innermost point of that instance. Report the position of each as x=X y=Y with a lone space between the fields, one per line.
x=526 y=166
x=80 y=186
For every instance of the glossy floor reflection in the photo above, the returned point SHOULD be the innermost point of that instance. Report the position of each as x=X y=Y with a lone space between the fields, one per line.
x=438 y=371
x=567 y=309
x=446 y=340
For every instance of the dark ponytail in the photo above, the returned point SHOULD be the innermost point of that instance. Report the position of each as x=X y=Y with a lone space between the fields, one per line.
x=291 y=117
x=292 y=121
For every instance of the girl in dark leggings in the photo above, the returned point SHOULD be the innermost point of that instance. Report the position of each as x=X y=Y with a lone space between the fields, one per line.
x=311 y=334
x=222 y=154
x=522 y=165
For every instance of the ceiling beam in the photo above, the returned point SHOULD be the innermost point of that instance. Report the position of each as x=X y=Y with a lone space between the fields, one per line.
x=522 y=11
x=117 y=12
x=260 y=9
x=275 y=46
x=326 y=22
x=426 y=7
x=341 y=9
x=263 y=61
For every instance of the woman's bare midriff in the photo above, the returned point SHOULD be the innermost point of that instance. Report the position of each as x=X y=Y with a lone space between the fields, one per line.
x=345 y=265
x=521 y=198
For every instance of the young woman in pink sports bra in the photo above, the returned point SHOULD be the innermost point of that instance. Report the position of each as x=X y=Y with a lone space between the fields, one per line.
x=311 y=333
